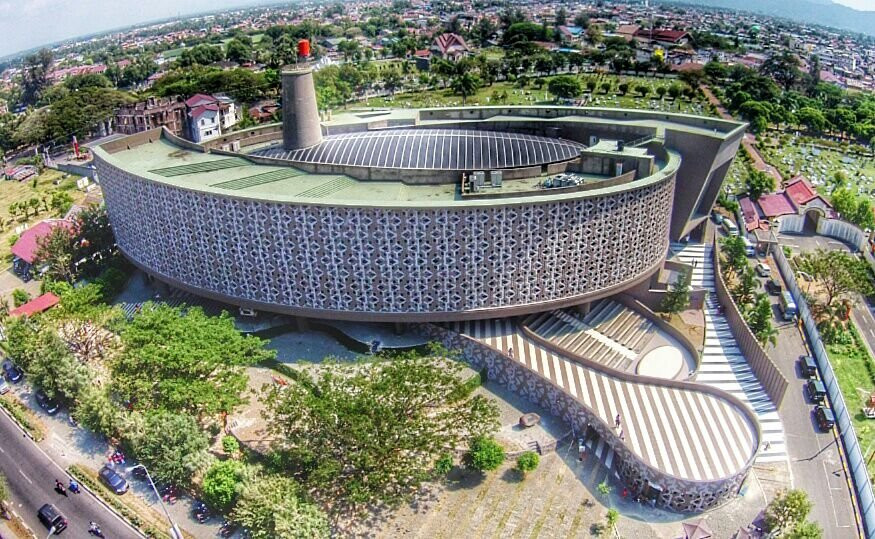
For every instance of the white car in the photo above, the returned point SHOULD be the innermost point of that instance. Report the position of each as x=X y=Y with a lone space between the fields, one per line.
x=4 y=387
x=763 y=270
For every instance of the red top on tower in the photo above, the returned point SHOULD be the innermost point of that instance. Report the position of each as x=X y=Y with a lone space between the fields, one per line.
x=304 y=48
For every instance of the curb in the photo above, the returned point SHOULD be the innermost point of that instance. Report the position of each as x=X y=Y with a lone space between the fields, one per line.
x=64 y=470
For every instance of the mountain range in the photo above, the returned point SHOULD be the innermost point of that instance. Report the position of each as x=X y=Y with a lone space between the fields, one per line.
x=821 y=12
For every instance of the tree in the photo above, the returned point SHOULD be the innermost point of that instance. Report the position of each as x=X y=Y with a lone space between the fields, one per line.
x=734 y=250
x=372 y=433
x=183 y=360
x=759 y=320
x=806 y=530
x=465 y=85
x=787 y=510
x=527 y=462
x=611 y=520
x=590 y=85
x=839 y=274
x=392 y=80
x=623 y=88
x=677 y=298
x=237 y=51
x=271 y=507
x=564 y=87
x=55 y=253
x=675 y=90
x=483 y=31
x=784 y=68
x=171 y=445
x=759 y=183
x=744 y=291
x=221 y=484
x=484 y=454
x=606 y=86
x=661 y=91
x=642 y=89
x=35 y=76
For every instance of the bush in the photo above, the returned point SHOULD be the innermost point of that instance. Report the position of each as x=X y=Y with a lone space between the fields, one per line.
x=485 y=454
x=527 y=462
x=20 y=297
x=221 y=484
x=443 y=465
x=230 y=445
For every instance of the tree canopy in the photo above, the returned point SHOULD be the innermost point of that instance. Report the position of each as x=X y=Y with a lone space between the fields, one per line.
x=178 y=358
x=272 y=507
x=370 y=435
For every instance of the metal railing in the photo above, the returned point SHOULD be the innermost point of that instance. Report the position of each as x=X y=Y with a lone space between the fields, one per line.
x=847 y=434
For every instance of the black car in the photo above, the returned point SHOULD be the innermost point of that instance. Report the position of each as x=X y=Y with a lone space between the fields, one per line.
x=113 y=480
x=12 y=373
x=47 y=403
x=825 y=418
x=773 y=287
x=816 y=391
x=52 y=518
x=808 y=366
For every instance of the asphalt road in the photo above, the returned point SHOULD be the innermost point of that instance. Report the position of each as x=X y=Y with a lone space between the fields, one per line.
x=31 y=475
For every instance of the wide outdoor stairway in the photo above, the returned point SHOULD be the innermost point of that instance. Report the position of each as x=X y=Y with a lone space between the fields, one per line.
x=611 y=333
x=723 y=365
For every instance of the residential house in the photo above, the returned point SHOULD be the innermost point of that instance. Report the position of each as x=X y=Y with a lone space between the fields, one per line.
x=25 y=249
x=210 y=115
x=666 y=38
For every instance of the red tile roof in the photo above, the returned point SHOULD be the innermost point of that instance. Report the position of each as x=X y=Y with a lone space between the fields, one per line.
x=199 y=99
x=800 y=190
x=200 y=110
x=447 y=41
x=38 y=305
x=749 y=212
x=28 y=243
x=776 y=204
x=662 y=35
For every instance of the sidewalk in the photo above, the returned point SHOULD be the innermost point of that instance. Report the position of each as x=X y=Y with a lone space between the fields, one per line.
x=67 y=445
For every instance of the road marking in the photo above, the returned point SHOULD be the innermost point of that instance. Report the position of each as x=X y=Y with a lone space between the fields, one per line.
x=25 y=476
x=2 y=450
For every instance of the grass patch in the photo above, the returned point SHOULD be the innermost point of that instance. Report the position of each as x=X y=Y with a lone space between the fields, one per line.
x=23 y=415
x=131 y=508
x=854 y=369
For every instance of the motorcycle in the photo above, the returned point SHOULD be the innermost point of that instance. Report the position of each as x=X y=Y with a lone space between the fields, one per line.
x=201 y=511
x=95 y=531
x=228 y=528
x=74 y=487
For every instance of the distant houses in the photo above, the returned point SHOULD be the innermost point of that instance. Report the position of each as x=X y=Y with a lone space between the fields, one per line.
x=210 y=115
x=450 y=47
x=25 y=249
x=199 y=118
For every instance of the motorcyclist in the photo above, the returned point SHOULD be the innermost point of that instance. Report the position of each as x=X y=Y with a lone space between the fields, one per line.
x=74 y=486
x=60 y=487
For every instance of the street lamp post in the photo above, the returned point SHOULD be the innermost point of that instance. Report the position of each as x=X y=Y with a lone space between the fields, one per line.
x=175 y=532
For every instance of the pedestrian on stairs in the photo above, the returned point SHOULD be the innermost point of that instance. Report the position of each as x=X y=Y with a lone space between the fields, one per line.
x=617 y=422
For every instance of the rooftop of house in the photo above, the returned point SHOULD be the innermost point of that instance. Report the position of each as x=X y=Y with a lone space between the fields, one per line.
x=37 y=305
x=27 y=245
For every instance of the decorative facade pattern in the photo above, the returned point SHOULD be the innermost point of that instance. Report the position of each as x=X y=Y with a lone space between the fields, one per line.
x=675 y=492
x=348 y=261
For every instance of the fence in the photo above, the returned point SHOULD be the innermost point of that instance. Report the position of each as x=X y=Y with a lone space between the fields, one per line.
x=842 y=230
x=853 y=452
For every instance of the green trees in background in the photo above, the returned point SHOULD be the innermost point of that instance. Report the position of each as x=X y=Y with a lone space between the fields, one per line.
x=759 y=183
x=564 y=87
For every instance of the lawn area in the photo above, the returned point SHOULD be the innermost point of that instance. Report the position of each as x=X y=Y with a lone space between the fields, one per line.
x=507 y=93
x=42 y=189
x=793 y=155
x=855 y=371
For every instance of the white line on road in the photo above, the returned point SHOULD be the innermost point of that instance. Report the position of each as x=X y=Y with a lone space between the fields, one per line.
x=25 y=476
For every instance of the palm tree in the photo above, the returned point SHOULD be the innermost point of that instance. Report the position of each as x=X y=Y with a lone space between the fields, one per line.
x=465 y=85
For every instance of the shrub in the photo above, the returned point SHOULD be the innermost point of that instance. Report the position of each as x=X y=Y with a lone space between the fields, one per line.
x=527 y=462
x=20 y=297
x=221 y=484
x=230 y=445
x=443 y=465
x=484 y=454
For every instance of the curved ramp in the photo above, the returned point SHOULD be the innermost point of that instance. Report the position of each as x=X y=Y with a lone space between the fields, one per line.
x=684 y=433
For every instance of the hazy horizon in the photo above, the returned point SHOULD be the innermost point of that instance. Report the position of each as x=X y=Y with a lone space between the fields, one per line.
x=44 y=25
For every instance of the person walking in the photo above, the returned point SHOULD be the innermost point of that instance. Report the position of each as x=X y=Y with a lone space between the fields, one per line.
x=617 y=422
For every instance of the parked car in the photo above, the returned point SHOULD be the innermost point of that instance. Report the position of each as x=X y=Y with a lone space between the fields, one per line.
x=773 y=286
x=788 y=306
x=816 y=391
x=12 y=372
x=4 y=387
x=729 y=227
x=749 y=249
x=52 y=518
x=47 y=403
x=113 y=480
x=807 y=366
x=763 y=270
x=824 y=417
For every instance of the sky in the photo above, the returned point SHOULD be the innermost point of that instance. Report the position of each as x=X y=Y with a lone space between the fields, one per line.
x=30 y=23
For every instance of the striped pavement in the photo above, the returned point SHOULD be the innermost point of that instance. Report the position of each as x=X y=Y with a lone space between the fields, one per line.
x=682 y=432
x=723 y=365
